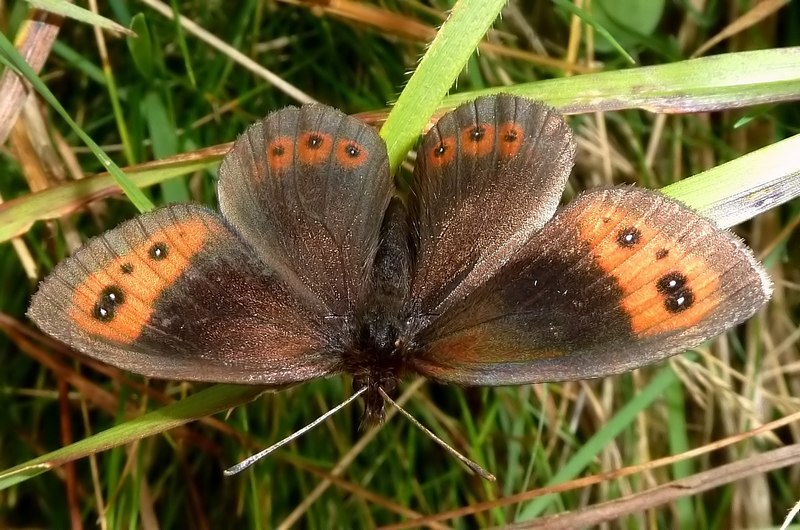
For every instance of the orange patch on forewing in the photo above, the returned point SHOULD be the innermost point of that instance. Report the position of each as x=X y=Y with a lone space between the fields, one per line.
x=649 y=315
x=280 y=153
x=509 y=139
x=350 y=154
x=441 y=153
x=141 y=279
x=477 y=140
x=314 y=147
x=637 y=269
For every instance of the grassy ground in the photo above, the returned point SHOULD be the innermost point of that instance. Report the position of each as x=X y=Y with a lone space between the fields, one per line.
x=171 y=94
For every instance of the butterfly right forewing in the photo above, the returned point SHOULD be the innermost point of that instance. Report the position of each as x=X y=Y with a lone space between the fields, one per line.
x=620 y=278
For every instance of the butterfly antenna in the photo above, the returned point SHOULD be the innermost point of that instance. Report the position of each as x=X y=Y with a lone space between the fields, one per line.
x=466 y=461
x=244 y=464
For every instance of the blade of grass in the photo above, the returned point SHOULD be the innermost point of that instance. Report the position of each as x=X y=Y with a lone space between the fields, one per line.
x=12 y=59
x=455 y=42
x=161 y=129
x=206 y=402
x=738 y=190
x=18 y=215
x=594 y=445
x=187 y=59
x=598 y=27
x=70 y=10
x=740 y=79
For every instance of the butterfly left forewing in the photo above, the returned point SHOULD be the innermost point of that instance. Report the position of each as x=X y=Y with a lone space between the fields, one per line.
x=618 y=279
x=175 y=293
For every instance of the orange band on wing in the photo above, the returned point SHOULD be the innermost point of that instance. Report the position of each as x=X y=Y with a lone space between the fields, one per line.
x=116 y=301
x=665 y=287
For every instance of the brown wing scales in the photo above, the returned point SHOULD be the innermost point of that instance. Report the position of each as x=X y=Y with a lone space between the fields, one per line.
x=618 y=279
x=175 y=293
x=488 y=175
x=307 y=188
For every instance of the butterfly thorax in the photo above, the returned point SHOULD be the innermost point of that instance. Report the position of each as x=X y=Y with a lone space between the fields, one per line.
x=380 y=347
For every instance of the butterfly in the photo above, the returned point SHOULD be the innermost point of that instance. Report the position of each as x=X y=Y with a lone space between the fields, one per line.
x=318 y=266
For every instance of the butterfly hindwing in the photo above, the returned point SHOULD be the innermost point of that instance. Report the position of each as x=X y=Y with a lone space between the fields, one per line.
x=618 y=279
x=488 y=175
x=176 y=293
x=307 y=188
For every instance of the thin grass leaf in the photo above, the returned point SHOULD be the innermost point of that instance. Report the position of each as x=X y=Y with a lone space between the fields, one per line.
x=745 y=187
x=204 y=403
x=569 y=7
x=12 y=59
x=141 y=46
x=740 y=79
x=70 y=10
x=468 y=22
x=584 y=456
x=18 y=215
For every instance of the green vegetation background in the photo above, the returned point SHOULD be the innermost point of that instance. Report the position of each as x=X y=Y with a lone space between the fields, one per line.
x=169 y=93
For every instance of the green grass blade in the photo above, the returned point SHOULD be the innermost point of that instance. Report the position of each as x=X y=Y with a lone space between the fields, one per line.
x=594 y=445
x=598 y=27
x=740 y=79
x=745 y=187
x=11 y=58
x=457 y=39
x=206 y=402
x=161 y=129
x=17 y=215
x=70 y=10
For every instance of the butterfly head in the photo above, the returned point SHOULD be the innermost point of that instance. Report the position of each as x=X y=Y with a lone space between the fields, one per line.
x=374 y=403
x=377 y=358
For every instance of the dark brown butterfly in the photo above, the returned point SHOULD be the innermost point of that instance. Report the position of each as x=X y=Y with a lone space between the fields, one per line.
x=317 y=267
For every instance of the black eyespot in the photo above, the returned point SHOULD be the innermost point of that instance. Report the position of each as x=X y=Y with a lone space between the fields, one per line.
x=106 y=307
x=671 y=283
x=662 y=253
x=112 y=295
x=352 y=150
x=278 y=150
x=104 y=314
x=440 y=151
x=126 y=268
x=628 y=237
x=680 y=301
x=314 y=141
x=511 y=136
x=677 y=296
x=477 y=133
x=158 y=251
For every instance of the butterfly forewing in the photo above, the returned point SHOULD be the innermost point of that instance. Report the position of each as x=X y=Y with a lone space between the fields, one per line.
x=620 y=278
x=177 y=294
x=308 y=188
x=488 y=175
